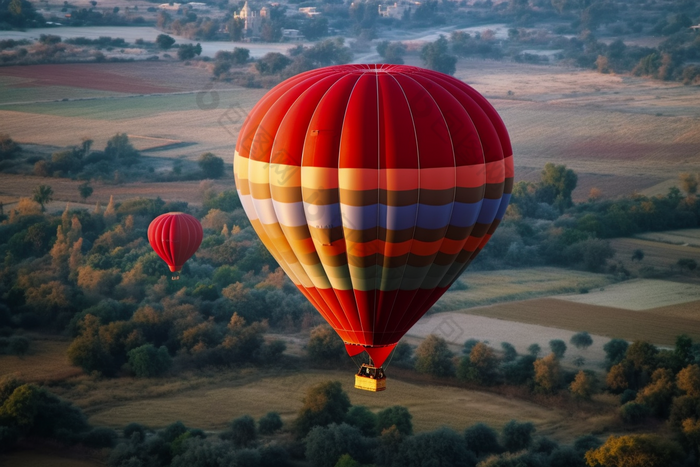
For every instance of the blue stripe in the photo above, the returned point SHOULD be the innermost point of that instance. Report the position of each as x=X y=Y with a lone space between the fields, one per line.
x=504 y=205
x=489 y=210
x=465 y=214
x=397 y=217
x=433 y=217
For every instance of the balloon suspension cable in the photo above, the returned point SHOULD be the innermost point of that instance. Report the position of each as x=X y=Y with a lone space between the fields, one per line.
x=359 y=365
x=391 y=357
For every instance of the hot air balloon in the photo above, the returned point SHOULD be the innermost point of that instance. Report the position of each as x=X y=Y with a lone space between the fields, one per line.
x=175 y=237
x=374 y=187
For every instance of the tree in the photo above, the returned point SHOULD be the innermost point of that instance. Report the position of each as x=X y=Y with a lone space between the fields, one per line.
x=188 y=51
x=346 y=460
x=556 y=185
x=272 y=63
x=324 y=344
x=88 y=351
x=635 y=451
x=8 y=148
x=637 y=255
x=558 y=348
x=269 y=423
x=517 y=436
x=581 y=340
x=43 y=194
x=509 y=352
x=396 y=416
x=363 y=419
x=689 y=183
x=324 y=403
x=434 y=357
x=164 y=41
x=315 y=28
x=241 y=432
x=480 y=366
x=391 y=52
x=147 y=361
x=435 y=56
x=442 y=447
x=583 y=385
x=325 y=445
x=534 y=350
x=615 y=350
x=211 y=165
x=547 y=374
x=482 y=440
x=85 y=190
x=688 y=380
x=687 y=263
x=119 y=148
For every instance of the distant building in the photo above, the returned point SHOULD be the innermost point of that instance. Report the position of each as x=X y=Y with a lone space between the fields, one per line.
x=292 y=35
x=252 y=20
x=197 y=6
x=696 y=27
x=397 y=10
x=309 y=11
x=170 y=6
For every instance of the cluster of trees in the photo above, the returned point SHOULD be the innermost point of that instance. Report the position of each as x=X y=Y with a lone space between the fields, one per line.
x=94 y=276
x=18 y=14
x=330 y=432
x=30 y=411
x=274 y=66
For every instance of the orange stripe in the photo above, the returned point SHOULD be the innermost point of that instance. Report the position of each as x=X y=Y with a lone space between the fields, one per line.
x=389 y=249
x=398 y=179
x=471 y=176
x=472 y=243
x=451 y=247
x=438 y=178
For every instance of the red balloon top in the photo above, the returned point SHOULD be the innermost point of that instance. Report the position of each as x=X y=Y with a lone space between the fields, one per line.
x=175 y=237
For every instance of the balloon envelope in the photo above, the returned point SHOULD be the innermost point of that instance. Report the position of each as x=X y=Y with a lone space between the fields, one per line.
x=373 y=186
x=175 y=237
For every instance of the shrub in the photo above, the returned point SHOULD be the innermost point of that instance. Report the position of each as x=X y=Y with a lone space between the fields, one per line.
x=147 y=361
x=269 y=423
x=517 y=436
x=100 y=437
x=397 y=416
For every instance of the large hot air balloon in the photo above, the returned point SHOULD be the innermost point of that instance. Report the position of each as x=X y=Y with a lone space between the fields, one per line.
x=175 y=237
x=374 y=187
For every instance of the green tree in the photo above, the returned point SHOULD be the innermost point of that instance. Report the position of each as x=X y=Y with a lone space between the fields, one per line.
x=435 y=56
x=482 y=440
x=689 y=182
x=442 y=447
x=85 y=190
x=147 y=361
x=164 y=41
x=635 y=451
x=188 y=51
x=346 y=460
x=325 y=445
x=272 y=63
x=88 y=351
x=363 y=419
x=391 y=52
x=43 y=194
x=517 y=436
x=683 y=263
x=396 y=416
x=434 y=357
x=559 y=182
x=119 y=148
x=509 y=352
x=637 y=255
x=241 y=432
x=615 y=350
x=324 y=403
x=269 y=423
x=211 y=165
x=534 y=350
x=315 y=28
x=8 y=148
x=581 y=340
x=558 y=348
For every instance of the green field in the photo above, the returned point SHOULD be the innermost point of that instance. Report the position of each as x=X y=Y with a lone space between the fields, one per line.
x=14 y=95
x=120 y=106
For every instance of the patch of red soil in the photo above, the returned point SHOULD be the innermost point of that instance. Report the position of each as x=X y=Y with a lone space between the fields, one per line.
x=103 y=77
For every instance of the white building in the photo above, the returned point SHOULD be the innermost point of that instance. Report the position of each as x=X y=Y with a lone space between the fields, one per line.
x=252 y=20
x=397 y=10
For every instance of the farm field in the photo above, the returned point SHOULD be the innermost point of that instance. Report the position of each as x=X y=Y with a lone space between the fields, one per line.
x=639 y=294
x=661 y=256
x=488 y=287
x=659 y=325
x=683 y=237
x=46 y=361
x=431 y=406
x=456 y=328
x=33 y=458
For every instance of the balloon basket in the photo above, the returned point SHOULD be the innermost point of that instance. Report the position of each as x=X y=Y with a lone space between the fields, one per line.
x=370 y=378
x=175 y=277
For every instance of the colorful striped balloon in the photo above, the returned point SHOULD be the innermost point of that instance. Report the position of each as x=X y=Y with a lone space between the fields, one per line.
x=374 y=187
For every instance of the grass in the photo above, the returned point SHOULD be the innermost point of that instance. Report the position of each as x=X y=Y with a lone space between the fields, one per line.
x=660 y=249
x=659 y=327
x=431 y=406
x=46 y=361
x=683 y=237
x=489 y=287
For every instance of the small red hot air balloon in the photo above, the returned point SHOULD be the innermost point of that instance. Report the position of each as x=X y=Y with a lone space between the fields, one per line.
x=175 y=236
